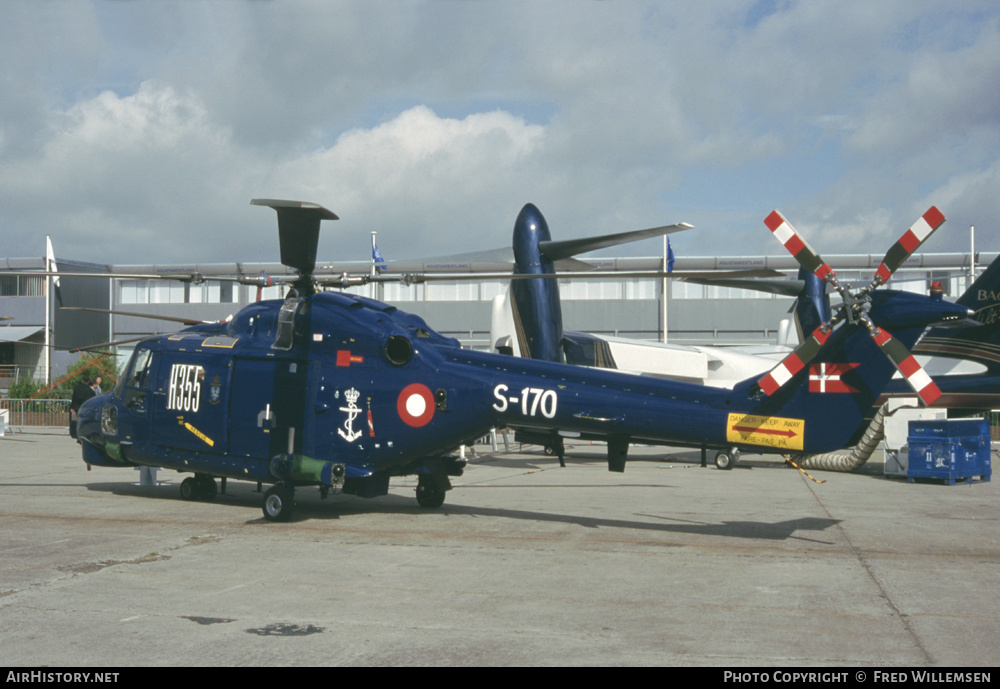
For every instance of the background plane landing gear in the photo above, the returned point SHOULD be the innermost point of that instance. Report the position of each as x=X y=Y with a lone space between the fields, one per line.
x=279 y=503
x=727 y=460
x=199 y=487
x=557 y=448
x=429 y=493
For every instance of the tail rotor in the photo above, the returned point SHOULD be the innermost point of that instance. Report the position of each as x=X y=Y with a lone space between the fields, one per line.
x=855 y=304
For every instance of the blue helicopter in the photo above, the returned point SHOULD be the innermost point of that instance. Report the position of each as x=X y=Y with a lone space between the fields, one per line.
x=344 y=392
x=535 y=316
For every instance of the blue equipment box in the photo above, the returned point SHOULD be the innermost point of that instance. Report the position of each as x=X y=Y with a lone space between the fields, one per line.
x=951 y=450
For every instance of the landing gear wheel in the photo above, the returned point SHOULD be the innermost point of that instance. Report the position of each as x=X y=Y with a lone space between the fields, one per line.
x=724 y=461
x=429 y=495
x=727 y=460
x=189 y=489
x=199 y=487
x=205 y=488
x=279 y=503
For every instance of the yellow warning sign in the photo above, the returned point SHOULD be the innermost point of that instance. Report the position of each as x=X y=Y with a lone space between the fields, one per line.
x=768 y=431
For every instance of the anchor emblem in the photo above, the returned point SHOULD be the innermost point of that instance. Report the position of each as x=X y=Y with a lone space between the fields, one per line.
x=347 y=432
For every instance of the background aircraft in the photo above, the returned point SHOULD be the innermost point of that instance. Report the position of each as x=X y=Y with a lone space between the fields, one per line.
x=345 y=392
x=531 y=312
x=524 y=316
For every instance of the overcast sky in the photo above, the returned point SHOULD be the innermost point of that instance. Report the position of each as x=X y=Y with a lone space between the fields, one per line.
x=138 y=132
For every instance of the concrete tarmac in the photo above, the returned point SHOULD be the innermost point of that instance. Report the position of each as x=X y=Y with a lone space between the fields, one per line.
x=526 y=563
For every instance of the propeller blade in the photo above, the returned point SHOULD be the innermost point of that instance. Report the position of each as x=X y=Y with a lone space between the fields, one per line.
x=910 y=241
x=926 y=389
x=797 y=246
x=796 y=361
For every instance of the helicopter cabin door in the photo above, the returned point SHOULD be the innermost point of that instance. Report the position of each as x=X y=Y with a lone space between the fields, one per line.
x=132 y=418
x=267 y=407
x=192 y=406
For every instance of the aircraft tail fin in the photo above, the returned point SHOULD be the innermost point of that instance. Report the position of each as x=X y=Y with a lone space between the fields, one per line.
x=977 y=343
x=535 y=303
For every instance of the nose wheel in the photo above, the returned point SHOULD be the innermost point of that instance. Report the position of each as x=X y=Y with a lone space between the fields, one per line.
x=727 y=460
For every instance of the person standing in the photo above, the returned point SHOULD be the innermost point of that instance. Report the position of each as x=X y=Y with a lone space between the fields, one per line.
x=82 y=392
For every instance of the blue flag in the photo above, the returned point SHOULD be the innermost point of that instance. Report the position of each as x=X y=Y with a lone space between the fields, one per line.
x=670 y=257
x=377 y=259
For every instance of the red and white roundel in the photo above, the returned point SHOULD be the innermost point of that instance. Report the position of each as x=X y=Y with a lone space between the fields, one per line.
x=415 y=405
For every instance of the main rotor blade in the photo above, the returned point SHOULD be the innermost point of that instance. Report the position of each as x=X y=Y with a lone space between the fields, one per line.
x=911 y=240
x=196 y=278
x=135 y=314
x=785 y=288
x=797 y=246
x=414 y=278
x=922 y=384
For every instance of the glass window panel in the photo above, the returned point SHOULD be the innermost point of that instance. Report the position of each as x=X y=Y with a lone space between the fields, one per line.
x=133 y=291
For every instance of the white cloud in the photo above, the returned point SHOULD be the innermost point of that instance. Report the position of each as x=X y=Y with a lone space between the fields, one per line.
x=415 y=173
x=435 y=122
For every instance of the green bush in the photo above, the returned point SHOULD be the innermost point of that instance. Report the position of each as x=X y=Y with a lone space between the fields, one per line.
x=23 y=389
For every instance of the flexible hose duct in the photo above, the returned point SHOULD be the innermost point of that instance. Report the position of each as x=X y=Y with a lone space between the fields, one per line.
x=853 y=459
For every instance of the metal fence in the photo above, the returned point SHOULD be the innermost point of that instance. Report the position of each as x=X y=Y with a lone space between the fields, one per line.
x=44 y=412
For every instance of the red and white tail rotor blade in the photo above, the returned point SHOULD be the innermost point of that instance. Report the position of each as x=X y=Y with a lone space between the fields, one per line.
x=794 y=362
x=926 y=389
x=897 y=352
x=911 y=240
x=797 y=246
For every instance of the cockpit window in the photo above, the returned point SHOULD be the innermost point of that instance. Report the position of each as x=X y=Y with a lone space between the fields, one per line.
x=136 y=383
x=139 y=375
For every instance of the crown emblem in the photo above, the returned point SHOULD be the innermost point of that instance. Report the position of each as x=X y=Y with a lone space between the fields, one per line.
x=351 y=396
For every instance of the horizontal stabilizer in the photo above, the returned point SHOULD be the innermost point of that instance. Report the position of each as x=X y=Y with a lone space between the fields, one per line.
x=556 y=250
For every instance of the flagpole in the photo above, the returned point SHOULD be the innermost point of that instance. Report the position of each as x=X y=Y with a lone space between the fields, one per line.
x=49 y=261
x=373 y=283
x=972 y=254
x=664 y=289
